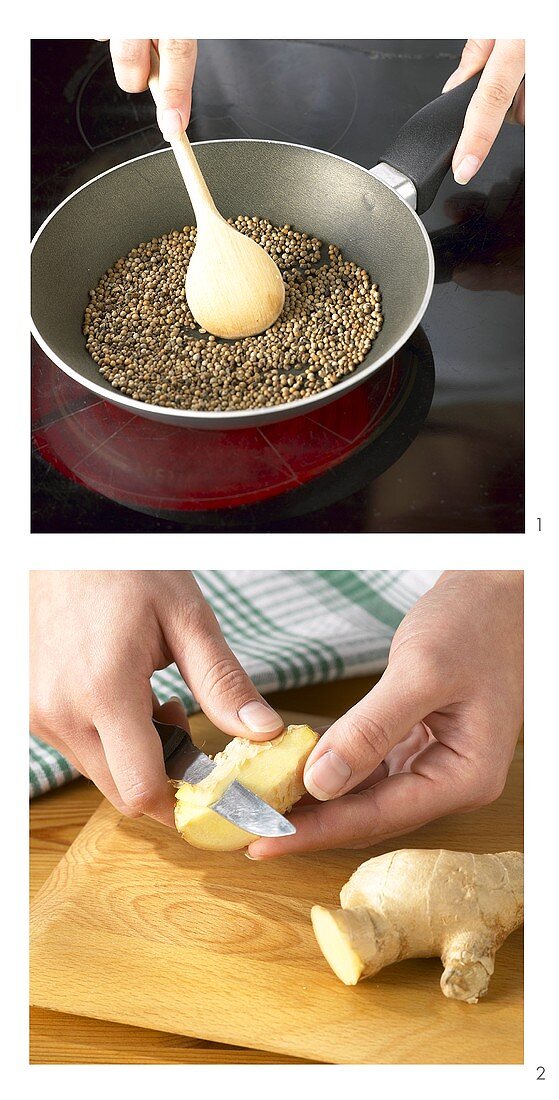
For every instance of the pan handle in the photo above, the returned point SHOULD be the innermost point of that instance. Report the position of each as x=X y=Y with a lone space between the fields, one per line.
x=422 y=150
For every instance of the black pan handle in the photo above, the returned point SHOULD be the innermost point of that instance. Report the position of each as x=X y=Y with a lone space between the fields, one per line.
x=423 y=149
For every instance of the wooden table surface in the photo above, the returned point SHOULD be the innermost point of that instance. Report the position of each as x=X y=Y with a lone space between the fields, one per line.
x=55 y=821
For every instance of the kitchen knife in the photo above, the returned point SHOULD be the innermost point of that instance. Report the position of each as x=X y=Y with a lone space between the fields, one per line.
x=186 y=763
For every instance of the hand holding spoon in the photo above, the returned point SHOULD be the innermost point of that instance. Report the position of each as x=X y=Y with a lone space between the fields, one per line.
x=233 y=287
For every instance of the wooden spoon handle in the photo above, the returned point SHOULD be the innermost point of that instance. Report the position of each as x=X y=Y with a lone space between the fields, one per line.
x=188 y=165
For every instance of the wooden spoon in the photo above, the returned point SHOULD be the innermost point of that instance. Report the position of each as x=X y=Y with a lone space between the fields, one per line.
x=233 y=286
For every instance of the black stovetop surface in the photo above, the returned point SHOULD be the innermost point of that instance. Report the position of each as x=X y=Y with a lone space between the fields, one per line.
x=463 y=468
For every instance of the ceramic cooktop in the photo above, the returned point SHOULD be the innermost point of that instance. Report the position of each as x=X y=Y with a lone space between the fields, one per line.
x=434 y=441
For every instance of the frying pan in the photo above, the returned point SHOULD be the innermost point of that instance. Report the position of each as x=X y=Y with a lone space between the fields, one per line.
x=372 y=215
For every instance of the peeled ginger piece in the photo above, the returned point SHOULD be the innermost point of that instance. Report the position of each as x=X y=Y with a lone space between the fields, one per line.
x=272 y=769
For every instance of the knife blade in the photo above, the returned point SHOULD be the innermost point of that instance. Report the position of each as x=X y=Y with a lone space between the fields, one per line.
x=185 y=762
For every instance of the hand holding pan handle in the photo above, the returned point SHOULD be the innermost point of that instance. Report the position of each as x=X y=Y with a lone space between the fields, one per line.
x=422 y=150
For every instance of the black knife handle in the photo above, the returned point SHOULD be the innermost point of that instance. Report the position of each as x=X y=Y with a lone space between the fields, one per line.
x=171 y=737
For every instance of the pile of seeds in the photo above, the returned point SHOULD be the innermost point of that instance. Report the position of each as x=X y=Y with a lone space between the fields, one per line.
x=141 y=333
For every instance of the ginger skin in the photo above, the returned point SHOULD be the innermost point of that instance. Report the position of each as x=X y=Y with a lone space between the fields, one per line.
x=418 y=903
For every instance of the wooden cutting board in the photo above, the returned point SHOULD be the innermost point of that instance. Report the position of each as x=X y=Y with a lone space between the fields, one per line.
x=135 y=926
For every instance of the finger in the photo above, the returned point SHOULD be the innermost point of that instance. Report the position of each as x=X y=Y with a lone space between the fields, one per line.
x=379 y=773
x=357 y=743
x=219 y=683
x=396 y=805
x=75 y=762
x=92 y=763
x=474 y=56
x=487 y=109
x=69 y=754
x=410 y=764
x=172 y=712
x=415 y=742
x=398 y=757
x=131 y=61
x=177 y=60
x=134 y=754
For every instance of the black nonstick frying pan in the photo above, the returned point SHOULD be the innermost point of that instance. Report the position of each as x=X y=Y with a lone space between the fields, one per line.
x=372 y=215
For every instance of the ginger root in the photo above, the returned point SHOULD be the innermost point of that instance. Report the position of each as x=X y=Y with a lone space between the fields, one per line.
x=272 y=769
x=417 y=903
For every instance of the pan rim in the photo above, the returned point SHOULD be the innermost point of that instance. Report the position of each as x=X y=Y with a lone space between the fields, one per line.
x=233 y=417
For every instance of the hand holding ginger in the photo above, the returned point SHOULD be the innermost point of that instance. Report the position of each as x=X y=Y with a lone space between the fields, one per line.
x=435 y=736
x=96 y=639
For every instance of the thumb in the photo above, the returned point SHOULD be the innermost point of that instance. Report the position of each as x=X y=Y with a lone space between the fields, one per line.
x=359 y=741
x=220 y=684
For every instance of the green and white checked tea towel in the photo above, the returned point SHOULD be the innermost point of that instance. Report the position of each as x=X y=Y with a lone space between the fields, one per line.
x=287 y=628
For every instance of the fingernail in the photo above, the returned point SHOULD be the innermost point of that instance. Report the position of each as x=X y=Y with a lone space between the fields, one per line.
x=451 y=82
x=253 y=853
x=170 y=123
x=260 y=718
x=327 y=777
x=466 y=169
